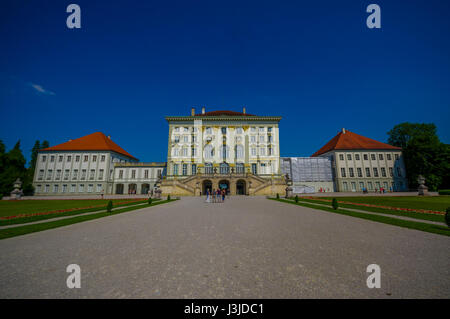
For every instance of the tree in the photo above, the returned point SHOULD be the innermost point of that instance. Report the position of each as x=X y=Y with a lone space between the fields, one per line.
x=423 y=153
x=334 y=204
x=13 y=167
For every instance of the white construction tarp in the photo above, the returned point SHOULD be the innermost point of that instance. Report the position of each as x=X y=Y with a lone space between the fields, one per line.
x=307 y=169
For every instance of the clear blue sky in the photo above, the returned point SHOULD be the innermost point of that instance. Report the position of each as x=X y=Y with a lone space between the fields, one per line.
x=316 y=64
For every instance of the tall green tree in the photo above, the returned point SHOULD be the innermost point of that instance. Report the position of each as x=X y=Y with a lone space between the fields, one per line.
x=423 y=152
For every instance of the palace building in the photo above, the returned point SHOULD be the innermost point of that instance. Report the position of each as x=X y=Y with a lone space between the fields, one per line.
x=235 y=151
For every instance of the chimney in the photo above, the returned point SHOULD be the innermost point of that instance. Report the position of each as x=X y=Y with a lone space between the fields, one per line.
x=203 y=110
x=243 y=110
x=192 y=111
x=343 y=130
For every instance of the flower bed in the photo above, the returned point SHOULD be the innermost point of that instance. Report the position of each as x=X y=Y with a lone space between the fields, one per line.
x=425 y=211
x=64 y=210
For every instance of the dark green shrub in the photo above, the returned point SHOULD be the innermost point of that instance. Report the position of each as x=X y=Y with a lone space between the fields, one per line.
x=447 y=217
x=168 y=197
x=444 y=192
x=150 y=201
x=335 y=204
x=278 y=196
x=109 y=206
x=296 y=198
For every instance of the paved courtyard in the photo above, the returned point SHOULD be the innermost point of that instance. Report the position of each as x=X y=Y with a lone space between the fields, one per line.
x=247 y=247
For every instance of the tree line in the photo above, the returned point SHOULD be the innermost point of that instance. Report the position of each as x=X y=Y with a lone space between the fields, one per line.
x=13 y=166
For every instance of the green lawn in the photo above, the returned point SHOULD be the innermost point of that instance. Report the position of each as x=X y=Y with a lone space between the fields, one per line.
x=439 y=203
x=10 y=207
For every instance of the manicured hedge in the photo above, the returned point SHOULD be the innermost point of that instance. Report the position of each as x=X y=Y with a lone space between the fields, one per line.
x=444 y=192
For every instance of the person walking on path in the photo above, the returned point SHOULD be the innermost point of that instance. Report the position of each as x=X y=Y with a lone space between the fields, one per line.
x=207 y=195
x=223 y=195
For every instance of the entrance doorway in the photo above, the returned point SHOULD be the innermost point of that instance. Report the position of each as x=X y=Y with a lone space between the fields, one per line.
x=224 y=184
x=240 y=187
x=207 y=184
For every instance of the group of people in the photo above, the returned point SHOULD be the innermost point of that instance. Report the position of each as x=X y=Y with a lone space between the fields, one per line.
x=215 y=195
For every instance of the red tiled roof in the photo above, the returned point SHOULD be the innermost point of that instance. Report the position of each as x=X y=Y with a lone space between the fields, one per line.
x=93 y=142
x=226 y=113
x=353 y=141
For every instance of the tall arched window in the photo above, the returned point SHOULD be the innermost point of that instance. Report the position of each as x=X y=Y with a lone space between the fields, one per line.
x=239 y=151
x=209 y=151
x=239 y=168
x=224 y=168
x=208 y=168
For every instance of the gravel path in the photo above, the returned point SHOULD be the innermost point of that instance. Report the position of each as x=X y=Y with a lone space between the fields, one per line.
x=247 y=247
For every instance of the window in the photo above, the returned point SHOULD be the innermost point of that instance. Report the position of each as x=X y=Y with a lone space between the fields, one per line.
x=121 y=173
x=102 y=159
x=92 y=175
x=254 y=169
x=194 y=138
x=194 y=151
x=55 y=188
x=99 y=188
x=359 y=171
x=58 y=174
x=159 y=173
x=146 y=173
x=261 y=138
x=208 y=130
x=357 y=157
x=177 y=138
x=52 y=158
x=361 y=185
x=38 y=188
x=47 y=188
x=349 y=157
x=208 y=168
x=261 y=129
x=133 y=173
x=240 y=168
x=269 y=129
x=185 y=138
x=345 y=185
x=342 y=172
x=73 y=188
x=75 y=174
x=239 y=130
x=90 y=188
x=239 y=151
x=269 y=138
x=372 y=156
x=175 y=169
x=100 y=174
x=41 y=174
x=341 y=157
x=389 y=157
x=262 y=151
x=350 y=172
x=44 y=158
x=365 y=157
x=64 y=188
x=391 y=173
x=367 y=172
x=253 y=129
x=209 y=151
x=77 y=158
x=253 y=151
x=69 y=158
x=353 y=187
x=83 y=174
x=86 y=158
x=177 y=129
x=224 y=130
x=49 y=174
x=224 y=168
x=184 y=169
x=253 y=139
x=194 y=169
x=377 y=185
x=263 y=168
x=270 y=151
x=369 y=186
x=60 y=158
x=383 y=172
x=185 y=151
x=380 y=157
x=94 y=158
x=375 y=172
